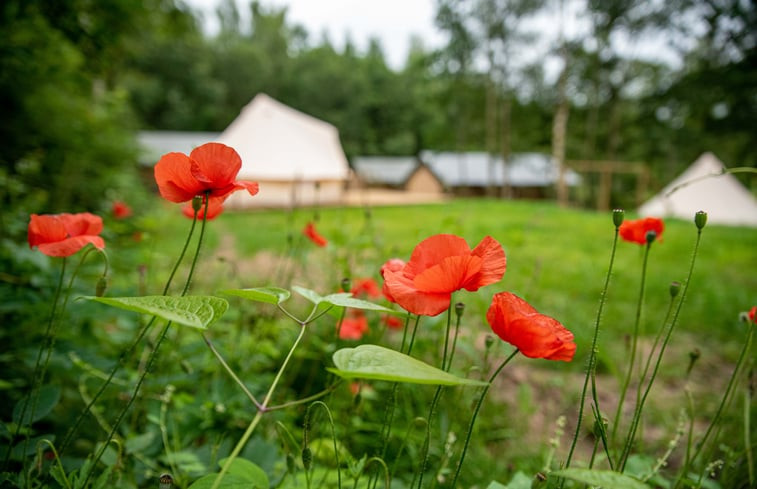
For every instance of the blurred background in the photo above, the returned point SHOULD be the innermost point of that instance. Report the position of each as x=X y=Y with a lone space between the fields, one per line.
x=649 y=85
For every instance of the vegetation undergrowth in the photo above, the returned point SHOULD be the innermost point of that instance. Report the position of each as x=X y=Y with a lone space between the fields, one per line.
x=281 y=362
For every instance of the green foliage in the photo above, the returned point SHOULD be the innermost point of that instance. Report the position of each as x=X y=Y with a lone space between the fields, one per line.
x=379 y=363
x=603 y=478
x=193 y=311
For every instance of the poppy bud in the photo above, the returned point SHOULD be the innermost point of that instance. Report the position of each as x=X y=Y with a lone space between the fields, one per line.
x=693 y=357
x=166 y=481
x=488 y=341
x=102 y=284
x=346 y=284
x=307 y=458
x=700 y=219
x=540 y=480
x=196 y=203
x=459 y=309
x=617 y=217
x=675 y=287
x=650 y=237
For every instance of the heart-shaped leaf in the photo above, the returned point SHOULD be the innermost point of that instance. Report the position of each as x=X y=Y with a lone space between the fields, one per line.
x=230 y=481
x=377 y=362
x=248 y=471
x=345 y=299
x=199 y=311
x=308 y=294
x=604 y=478
x=269 y=295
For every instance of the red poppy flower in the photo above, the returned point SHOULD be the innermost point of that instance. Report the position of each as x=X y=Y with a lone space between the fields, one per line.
x=393 y=322
x=392 y=265
x=211 y=168
x=365 y=287
x=215 y=207
x=534 y=334
x=636 y=231
x=353 y=327
x=64 y=234
x=313 y=235
x=120 y=210
x=441 y=265
x=752 y=314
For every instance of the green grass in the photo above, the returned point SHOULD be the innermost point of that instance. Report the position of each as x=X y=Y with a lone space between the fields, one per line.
x=557 y=258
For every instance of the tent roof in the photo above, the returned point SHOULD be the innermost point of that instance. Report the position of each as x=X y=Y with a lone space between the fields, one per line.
x=703 y=187
x=478 y=169
x=389 y=170
x=155 y=144
x=279 y=143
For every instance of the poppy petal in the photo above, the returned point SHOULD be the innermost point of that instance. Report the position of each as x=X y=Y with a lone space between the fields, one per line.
x=70 y=246
x=449 y=274
x=173 y=175
x=251 y=187
x=404 y=293
x=535 y=335
x=81 y=224
x=433 y=250
x=493 y=264
x=45 y=229
x=215 y=165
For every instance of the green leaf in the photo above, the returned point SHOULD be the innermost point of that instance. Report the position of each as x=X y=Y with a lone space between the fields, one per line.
x=248 y=471
x=377 y=362
x=47 y=398
x=605 y=478
x=197 y=311
x=345 y=299
x=230 y=481
x=308 y=294
x=269 y=295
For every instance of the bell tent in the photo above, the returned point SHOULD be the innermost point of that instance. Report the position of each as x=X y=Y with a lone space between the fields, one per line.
x=704 y=186
x=297 y=159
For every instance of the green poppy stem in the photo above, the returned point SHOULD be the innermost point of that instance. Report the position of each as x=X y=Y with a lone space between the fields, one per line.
x=259 y=414
x=634 y=343
x=475 y=415
x=39 y=372
x=592 y=367
x=726 y=396
x=125 y=353
x=154 y=353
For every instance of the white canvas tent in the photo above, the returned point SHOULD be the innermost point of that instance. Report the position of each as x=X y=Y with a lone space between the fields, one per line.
x=703 y=187
x=296 y=158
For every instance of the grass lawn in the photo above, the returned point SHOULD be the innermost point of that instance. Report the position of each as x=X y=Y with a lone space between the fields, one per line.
x=557 y=259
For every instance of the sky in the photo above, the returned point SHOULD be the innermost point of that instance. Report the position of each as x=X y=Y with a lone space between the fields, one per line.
x=394 y=22
x=358 y=19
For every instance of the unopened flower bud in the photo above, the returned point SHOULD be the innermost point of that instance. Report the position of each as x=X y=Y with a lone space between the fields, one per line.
x=650 y=237
x=489 y=341
x=346 y=284
x=307 y=458
x=675 y=288
x=166 y=481
x=102 y=284
x=693 y=357
x=700 y=219
x=459 y=309
x=540 y=480
x=196 y=203
x=617 y=217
